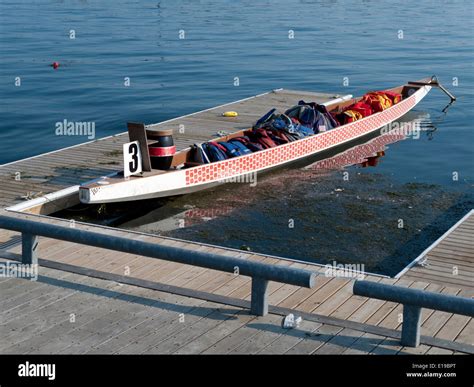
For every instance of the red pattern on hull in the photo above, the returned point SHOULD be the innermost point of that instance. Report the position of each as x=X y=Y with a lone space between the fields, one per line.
x=294 y=150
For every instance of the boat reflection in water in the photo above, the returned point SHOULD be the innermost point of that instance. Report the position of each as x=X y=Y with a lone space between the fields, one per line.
x=178 y=214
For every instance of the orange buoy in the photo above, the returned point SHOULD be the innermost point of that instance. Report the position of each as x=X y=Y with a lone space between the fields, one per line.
x=55 y=65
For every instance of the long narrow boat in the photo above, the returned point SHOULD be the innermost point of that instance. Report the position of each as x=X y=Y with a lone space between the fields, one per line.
x=185 y=177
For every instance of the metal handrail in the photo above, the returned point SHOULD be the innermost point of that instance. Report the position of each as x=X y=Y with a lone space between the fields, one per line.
x=260 y=273
x=413 y=301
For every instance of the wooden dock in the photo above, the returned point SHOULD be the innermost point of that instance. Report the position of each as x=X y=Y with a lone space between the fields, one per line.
x=51 y=172
x=449 y=260
x=91 y=300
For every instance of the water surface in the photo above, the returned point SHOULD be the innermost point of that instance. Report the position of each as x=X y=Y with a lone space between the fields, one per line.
x=333 y=40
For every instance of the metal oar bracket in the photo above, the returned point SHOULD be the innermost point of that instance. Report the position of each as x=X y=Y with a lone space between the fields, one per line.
x=434 y=82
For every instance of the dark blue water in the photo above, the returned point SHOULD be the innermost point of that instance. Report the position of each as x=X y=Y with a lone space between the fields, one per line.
x=170 y=76
x=226 y=39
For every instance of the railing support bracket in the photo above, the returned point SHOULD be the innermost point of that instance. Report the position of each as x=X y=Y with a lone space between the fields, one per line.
x=259 y=297
x=411 y=326
x=29 y=244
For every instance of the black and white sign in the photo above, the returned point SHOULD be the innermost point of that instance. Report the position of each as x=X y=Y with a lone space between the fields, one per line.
x=132 y=159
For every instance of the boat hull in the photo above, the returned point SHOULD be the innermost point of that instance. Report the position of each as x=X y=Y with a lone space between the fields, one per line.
x=184 y=181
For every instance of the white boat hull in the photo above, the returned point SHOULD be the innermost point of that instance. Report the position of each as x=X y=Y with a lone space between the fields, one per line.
x=184 y=181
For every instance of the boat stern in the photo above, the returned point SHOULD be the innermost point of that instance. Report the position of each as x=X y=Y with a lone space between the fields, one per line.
x=118 y=188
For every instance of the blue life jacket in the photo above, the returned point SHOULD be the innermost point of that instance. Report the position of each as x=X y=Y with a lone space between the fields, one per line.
x=264 y=119
x=243 y=150
x=253 y=146
x=303 y=130
x=323 y=120
x=214 y=152
x=232 y=149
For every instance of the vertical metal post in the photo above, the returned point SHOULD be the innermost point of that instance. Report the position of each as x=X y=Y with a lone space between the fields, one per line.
x=411 y=326
x=259 y=298
x=29 y=243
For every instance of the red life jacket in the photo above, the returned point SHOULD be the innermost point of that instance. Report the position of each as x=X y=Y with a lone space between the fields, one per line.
x=216 y=144
x=362 y=108
x=280 y=135
x=261 y=136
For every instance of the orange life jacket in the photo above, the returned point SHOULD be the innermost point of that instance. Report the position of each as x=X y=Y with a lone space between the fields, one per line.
x=351 y=116
x=377 y=101
x=394 y=97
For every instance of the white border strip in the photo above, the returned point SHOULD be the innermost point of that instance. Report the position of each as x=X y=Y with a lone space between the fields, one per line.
x=20 y=207
x=158 y=123
x=433 y=245
x=338 y=100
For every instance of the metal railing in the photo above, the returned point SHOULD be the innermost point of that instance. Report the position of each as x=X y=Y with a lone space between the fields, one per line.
x=260 y=273
x=413 y=301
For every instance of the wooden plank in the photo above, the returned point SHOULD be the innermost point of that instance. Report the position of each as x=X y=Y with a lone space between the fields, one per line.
x=315 y=340
x=28 y=302
x=364 y=345
x=442 y=273
x=132 y=297
x=439 y=351
x=57 y=321
x=388 y=346
x=337 y=299
x=351 y=305
x=436 y=279
x=22 y=327
x=290 y=338
x=211 y=337
x=322 y=294
x=420 y=350
x=193 y=332
x=231 y=341
x=269 y=329
x=162 y=333
x=467 y=333
x=140 y=332
x=453 y=327
x=454 y=247
x=108 y=327
x=339 y=343
x=464 y=239
x=441 y=261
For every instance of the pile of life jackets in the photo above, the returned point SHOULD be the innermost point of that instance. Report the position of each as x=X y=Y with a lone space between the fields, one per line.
x=271 y=130
x=300 y=121
x=370 y=103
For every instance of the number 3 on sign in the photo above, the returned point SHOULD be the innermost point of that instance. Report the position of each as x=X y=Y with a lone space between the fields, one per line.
x=132 y=159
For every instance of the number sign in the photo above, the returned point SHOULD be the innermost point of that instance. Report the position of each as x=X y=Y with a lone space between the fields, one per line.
x=132 y=159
